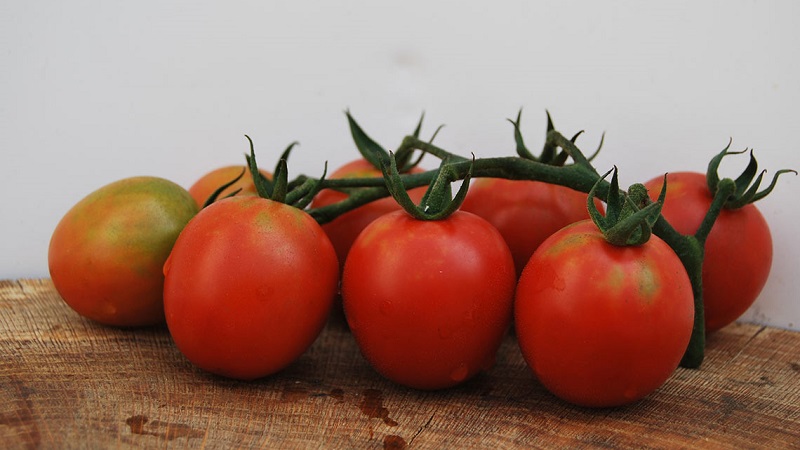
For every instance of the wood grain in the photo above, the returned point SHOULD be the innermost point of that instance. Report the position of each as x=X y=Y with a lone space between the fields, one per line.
x=66 y=382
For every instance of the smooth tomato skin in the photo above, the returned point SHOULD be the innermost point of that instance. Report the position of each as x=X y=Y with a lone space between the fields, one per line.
x=204 y=186
x=344 y=229
x=602 y=325
x=106 y=253
x=525 y=212
x=249 y=286
x=428 y=302
x=738 y=251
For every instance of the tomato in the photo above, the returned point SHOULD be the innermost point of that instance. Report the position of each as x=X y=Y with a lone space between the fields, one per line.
x=525 y=212
x=602 y=325
x=106 y=253
x=428 y=302
x=738 y=250
x=202 y=189
x=344 y=229
x=249 y=286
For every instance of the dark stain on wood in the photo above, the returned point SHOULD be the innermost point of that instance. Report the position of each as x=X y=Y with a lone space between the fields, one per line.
x=169 y=431
x=372 y=406
x=21 y=417
x=337 y=394
x=294 y=392
x=393 y=442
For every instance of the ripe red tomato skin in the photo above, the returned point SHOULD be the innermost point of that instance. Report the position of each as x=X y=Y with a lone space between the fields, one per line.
x=106 y=253
x=525 y=212
x=249 y=286
x=738 y=251
x=429 y=302
x=602 y=325
x=344 y=229
x=204 y=186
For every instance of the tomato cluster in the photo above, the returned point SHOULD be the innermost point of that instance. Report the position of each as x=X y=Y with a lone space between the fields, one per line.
x=245 y=278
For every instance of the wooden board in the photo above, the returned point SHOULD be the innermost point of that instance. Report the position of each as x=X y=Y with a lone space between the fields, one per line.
x=66 y=382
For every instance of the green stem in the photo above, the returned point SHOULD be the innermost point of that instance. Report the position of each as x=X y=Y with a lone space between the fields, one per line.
x=725 y=189
x=690 y=251
x=512 y=168
x=411 y=143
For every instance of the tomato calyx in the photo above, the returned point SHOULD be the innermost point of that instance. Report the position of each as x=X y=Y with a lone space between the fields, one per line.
x=438 y=202
x=298 y=193
x=217 y=192
x=745 y=185
x=550 y=152
x=629 y=219
x=376 y=154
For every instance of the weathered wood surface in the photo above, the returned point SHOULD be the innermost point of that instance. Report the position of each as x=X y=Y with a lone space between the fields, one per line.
x=66 y=382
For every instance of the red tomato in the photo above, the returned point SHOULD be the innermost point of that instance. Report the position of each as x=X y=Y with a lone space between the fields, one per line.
x=525 y=212
x=202 y=189
x=106 y=253
x=343 y=230
x=249 y=286
x=428 y=302
x=738 y=251
x=602 y=325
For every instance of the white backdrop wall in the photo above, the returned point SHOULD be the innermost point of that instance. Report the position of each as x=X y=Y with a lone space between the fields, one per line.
x=94 y=91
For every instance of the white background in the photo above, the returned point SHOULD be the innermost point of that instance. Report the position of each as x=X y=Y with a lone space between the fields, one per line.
x=94 y=91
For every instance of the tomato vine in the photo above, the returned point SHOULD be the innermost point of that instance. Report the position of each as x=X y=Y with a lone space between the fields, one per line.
x=550 y=167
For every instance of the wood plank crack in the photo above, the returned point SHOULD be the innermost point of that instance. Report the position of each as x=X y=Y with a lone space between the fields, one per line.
x=749 y=341
x=421 y=429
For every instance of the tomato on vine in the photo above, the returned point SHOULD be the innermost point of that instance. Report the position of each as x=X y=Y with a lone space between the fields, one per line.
x=738 y=247
x=604 y=310
x=250 y=282
x=428 y=291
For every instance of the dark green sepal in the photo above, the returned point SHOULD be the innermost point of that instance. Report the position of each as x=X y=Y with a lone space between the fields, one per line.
x=629 y=218
x=374 y=152
x=285 y=154
x=281 y=184
x=369 y=149
x=746 y=184
x=279 y=187
x=215 y=195
x=522 y=150
x=438 y=202
x=550 y=154
x=418 y=129
x=264 y=187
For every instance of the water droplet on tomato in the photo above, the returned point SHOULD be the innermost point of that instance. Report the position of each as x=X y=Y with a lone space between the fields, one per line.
x=460 y=373
x=386 y=308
